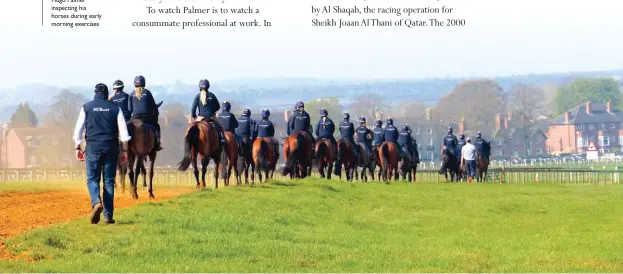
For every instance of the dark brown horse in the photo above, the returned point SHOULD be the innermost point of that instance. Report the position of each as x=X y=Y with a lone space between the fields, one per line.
x=229 y=158
x=346 y=158
x=264 y=157
x=246 y=161
x=376 y=149
x=482 y=162
x=449 y=162
x=390 y=157
x=140 y=148
x=325 y=157
x=202 y=139
x=409 y=162
x=365 y=162
x=298 y=153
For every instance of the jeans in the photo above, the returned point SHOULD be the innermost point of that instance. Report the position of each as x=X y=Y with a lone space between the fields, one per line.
x=99 y=164
x=471 y=168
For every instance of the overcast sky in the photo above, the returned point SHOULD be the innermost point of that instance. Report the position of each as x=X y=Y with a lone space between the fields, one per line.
x=500 y=38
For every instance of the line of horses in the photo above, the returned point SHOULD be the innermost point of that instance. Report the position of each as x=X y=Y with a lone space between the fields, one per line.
x=259 y=157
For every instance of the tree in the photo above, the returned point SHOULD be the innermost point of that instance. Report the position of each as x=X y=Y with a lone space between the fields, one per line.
x=65 y=110
x=331 y=104
x=414 y=112
x=173 y=123
x=598 y=90
x=478 y=101
x=527 y=101
x=550 y=90
x=368 y=105
x=23 y=117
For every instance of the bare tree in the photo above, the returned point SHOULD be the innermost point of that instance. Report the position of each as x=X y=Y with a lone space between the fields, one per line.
x=528 y=102
x=367 y=105
x=65 y=109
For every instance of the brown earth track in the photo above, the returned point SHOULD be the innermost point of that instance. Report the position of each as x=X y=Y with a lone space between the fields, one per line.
x=21 y=211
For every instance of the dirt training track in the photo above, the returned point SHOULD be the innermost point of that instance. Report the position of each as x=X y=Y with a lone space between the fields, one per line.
x=21 y=211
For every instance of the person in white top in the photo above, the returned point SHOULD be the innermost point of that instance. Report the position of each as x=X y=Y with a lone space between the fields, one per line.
x=105 y=125
x=468 y=154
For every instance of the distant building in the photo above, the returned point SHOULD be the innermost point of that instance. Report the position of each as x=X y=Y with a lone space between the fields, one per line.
x=35 y=147
x=429 y=134
x=572 y=131
x=512 y=140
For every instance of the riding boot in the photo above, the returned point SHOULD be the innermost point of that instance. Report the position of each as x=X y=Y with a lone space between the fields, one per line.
x=277 y=149
x=158 y=144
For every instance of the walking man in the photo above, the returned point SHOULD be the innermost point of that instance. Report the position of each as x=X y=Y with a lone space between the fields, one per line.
x=105 y=125
x=468 y=153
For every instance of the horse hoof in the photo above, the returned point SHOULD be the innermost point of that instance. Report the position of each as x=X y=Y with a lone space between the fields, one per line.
x=144 y=189
x=151 y=196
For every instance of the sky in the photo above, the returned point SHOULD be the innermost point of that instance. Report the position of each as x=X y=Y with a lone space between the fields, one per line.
x=500 y=38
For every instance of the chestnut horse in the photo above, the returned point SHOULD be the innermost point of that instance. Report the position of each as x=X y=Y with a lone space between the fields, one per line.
x=229 y=158
x=202 y=139
x=346 y=157
x=298 y=153
x=264 y=157
x=389 y=158
x=325 y=157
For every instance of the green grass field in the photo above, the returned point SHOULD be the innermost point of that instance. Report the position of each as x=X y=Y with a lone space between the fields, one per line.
x=319 y=226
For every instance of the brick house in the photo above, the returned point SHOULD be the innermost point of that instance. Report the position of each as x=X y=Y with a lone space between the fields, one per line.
x=511 y=140
x=428 y=135
x=572 y=131
x=35 y=147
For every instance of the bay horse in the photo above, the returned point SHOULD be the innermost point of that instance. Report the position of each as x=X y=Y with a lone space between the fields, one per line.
x=246 y=161
x=482 y=162
x=449 y=162
x=141 y=147
x=264 y=157
x=408 y=167
x=346 y=158
x=202 y=139
x=365 y=162
x=229 y=159
x=298 y=153
x=389 y=158
x=325 y=155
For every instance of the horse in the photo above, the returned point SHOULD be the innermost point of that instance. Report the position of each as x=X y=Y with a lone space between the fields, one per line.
x=364 y=162
x=246 y=161
x=298 y=153
x=482 y=162
x=450 y=162
x=390 y=156
x=141 y=146
x=264 y=157
x=229 y=159
x=376 y=149
x=202 y=138
x=346 y=158
x=325 y=155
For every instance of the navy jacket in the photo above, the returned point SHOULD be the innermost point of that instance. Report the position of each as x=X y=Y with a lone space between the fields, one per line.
x=404 y=138
x=326 y=129
x=379 y=135
x=101 y=128
x=145 y=106
x=299 y=121
x=121 y=100
x=391 y=133
x=209 y=109
x=478 y=143
x=450 y=142
x=362 y=134
x=228 y=121
x=461 y=143
x=347 y=130
x=265 y=128
x=246 y=127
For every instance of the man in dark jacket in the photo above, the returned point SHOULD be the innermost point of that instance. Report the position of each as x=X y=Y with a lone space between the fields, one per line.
x=266 y=129
x=120 y=98
x=229 y=123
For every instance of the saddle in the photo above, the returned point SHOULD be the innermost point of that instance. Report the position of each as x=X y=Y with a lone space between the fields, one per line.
x=221 y=132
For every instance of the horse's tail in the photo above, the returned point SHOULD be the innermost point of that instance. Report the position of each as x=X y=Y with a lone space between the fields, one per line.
x=261 y=156
x=191 y=142
x=321 y=151
x=384 y=157
x=300 y=140
x=341 y=150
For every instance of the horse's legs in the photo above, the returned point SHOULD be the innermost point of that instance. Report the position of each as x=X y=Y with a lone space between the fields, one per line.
x=151 y=175
x=131 y=174
x=252 y=173
x=216 y=163
x=195 y=170
x=137 y=172
x=144 y=173
x=329 y=169
x=320 y=164
x=204 y=168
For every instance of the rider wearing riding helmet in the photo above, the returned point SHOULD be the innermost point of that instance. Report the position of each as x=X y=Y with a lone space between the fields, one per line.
x=229 y=123
x=347 y=131
x=142 y=106
x=461 y=143
x=405 y=139
x=120 y=98
x=325 y=127
x=208 y=105
x=378 y=133
x=479 y=144
x=266 y=129
x=246 y=127
x=451 y=143
x=363 y=135
x=391 y=133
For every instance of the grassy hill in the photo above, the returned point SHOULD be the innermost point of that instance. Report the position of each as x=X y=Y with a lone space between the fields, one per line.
x=319 y=226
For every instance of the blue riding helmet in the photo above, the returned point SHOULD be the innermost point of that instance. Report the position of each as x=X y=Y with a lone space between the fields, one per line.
x=299 y=105
x=265 y=113
x=226 y=106
x=462 y=136
x=346 y=116
x=478 y=135
x=390 y=121
x=449 y=130
x=139 y=81
x=405 y=127
x=204 y=84
x=379 y=122
x=246 y=112
x=362 y=119
x=324 y=113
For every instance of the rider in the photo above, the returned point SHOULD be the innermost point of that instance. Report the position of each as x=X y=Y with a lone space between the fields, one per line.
x=246 y=129
x=347 y=131
x=120 y=98
x=325 y=127
x=266 y=129
x=208 y=105
x=451 y=143
x=479 y=144
x=379 y=133
x=142 y=106
x=391 y=133
x=405 y=139
x=300 y=121
x=364 y=136
x=229 y=123
x=461 y=144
